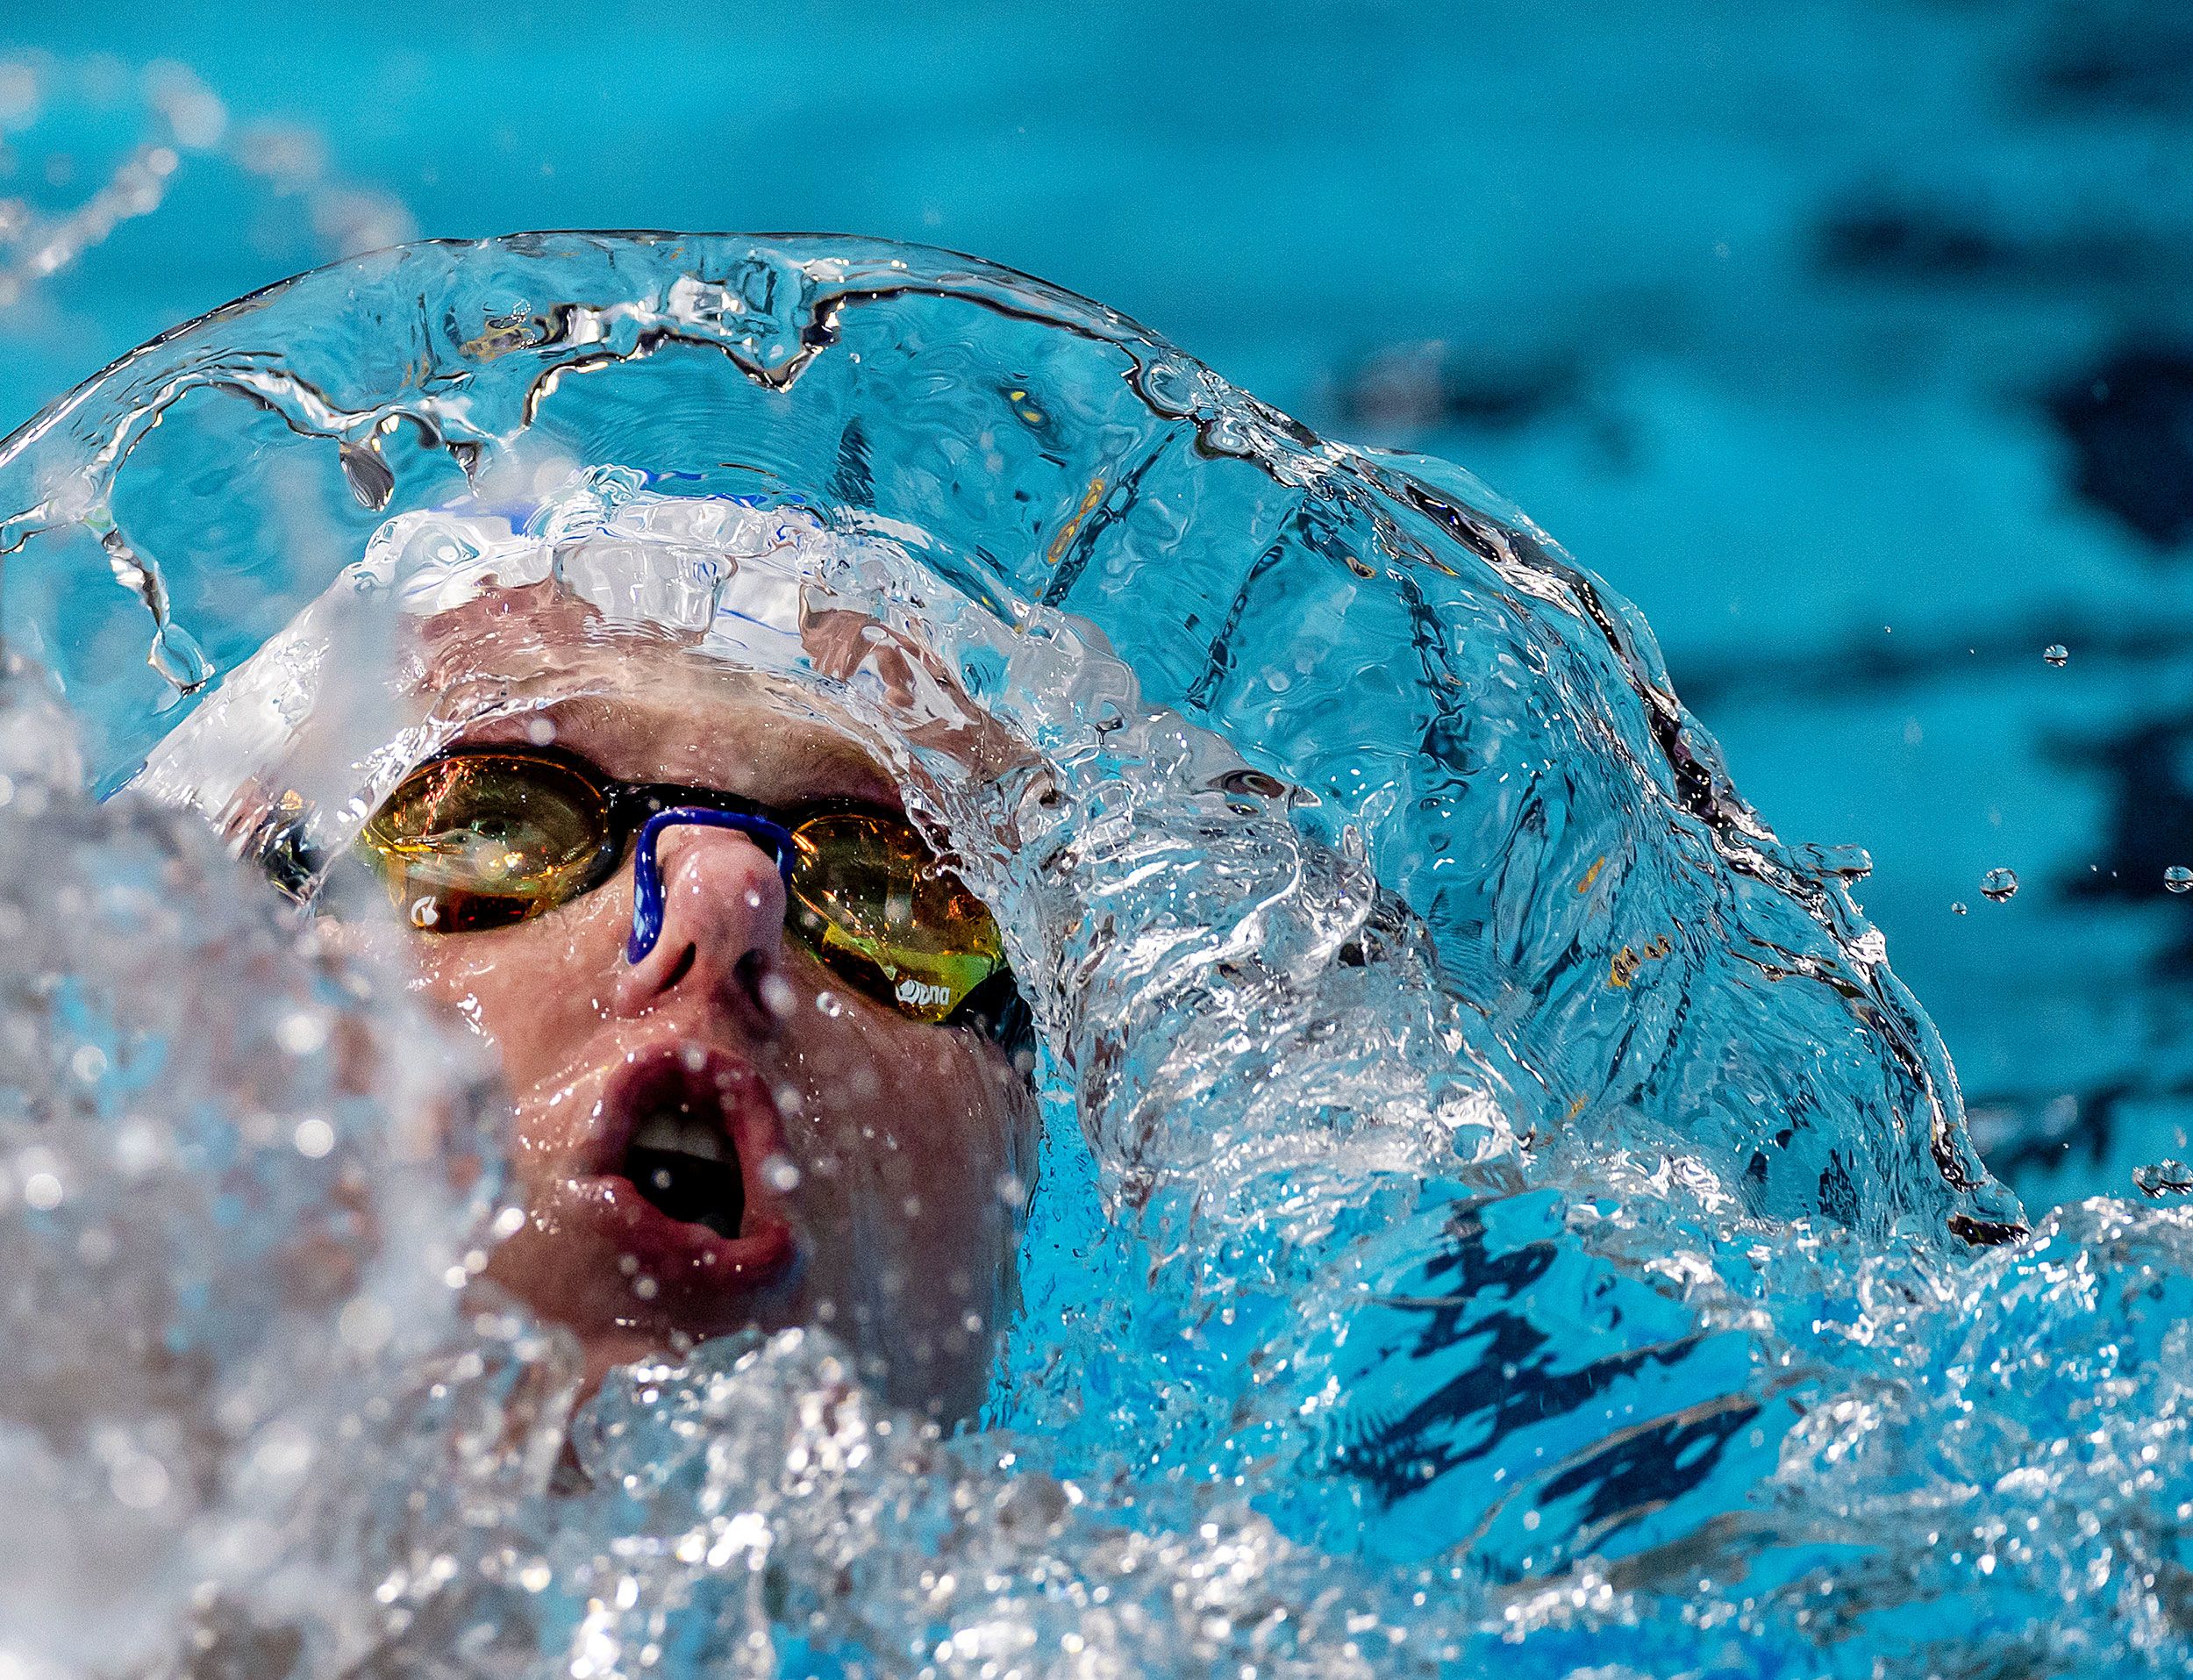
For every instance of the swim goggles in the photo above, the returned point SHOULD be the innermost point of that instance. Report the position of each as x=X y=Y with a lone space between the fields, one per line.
x=489 y=837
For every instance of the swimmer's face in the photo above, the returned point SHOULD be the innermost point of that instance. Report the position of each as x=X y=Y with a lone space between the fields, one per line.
x=872 y=1151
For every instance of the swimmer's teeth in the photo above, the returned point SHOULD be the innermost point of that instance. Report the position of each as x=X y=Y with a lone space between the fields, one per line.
x=690 y=1167
x=683 y=1134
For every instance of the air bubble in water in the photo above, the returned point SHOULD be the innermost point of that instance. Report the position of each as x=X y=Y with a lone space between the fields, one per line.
x=2178 y=878
x=1997 y=885
x=2055 y=652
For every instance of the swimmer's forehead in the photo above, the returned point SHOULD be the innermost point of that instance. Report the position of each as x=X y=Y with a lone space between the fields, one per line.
x=643 y=707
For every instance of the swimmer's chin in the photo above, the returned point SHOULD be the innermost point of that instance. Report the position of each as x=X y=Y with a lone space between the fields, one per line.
x=585 y=1289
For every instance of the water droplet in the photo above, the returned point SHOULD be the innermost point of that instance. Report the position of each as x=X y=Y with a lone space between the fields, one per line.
x=1996 y=885
x=780 y=1174
x=1252 y=782
x=1847 y=863
x=2178 y=878
x=371 y=480
x=777 y=996
x=1957 y=907
x=2164 y=1178
x=829 y=1004
x=175 y=655
x=315 y=1137
x=2055 y=652
x=424 y=913
x=366 y=1325
x=301 y=1032
x=140 y=1480
x=541 y=731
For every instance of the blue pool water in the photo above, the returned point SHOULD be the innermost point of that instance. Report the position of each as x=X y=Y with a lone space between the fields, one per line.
x=1495 y=1206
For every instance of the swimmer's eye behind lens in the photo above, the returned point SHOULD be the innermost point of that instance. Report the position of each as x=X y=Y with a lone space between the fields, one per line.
x=872 y=901
x=483 y=839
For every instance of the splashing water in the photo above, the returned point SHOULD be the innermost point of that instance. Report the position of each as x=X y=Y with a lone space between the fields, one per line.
x=89 y=145
x=1495 y=1207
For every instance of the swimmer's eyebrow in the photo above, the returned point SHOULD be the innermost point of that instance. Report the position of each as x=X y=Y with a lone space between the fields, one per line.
x=758 y=754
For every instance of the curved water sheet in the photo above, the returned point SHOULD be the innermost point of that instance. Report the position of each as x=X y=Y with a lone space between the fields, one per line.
x=1495 y=1206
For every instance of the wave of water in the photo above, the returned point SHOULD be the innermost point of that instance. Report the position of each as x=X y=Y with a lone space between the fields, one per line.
x=1496 y=1204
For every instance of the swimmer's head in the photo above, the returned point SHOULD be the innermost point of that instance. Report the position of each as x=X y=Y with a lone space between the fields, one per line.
x=765 y=1062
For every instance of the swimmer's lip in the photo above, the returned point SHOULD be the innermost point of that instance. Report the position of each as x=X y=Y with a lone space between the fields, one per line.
x=683 y=1258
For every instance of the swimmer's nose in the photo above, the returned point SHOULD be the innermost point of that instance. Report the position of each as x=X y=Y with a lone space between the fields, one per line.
x=708 y=905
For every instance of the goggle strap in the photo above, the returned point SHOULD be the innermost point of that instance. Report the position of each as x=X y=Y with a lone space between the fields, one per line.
x=647 y=873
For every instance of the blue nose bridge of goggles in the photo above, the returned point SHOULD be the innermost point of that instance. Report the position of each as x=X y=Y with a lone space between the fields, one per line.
x=646 y=872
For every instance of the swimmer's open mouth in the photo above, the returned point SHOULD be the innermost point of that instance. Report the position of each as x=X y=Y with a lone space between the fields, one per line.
x=685 y=1163
x=685 y=1130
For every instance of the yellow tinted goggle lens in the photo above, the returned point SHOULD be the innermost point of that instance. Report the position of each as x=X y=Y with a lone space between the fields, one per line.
x=478 y=840
x=868 y=896
x=486 y=840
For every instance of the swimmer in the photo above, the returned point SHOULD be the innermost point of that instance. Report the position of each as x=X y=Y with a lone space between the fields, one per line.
x=766 y=1063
